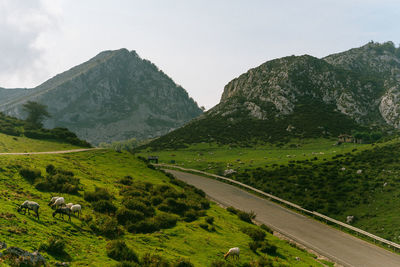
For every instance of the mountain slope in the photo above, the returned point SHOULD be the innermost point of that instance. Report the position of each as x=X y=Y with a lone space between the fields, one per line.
x=114 y=96
x=302 y=96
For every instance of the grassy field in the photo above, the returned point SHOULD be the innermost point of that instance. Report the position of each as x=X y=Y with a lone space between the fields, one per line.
x=23 y=144
x=85 y=248
x=314 y=174
x=215 y=159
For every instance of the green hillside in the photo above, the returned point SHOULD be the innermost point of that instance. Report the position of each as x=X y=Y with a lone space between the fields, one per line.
x=350 y=179
x=158 y=217
x=19 y=128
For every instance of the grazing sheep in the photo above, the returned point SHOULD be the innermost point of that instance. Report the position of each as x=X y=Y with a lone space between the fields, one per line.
x=69 y=205
x=232 y=252
x=52 y=200
x=30 y=205
x=58 y=203
x=62 y=211
x=76 y=208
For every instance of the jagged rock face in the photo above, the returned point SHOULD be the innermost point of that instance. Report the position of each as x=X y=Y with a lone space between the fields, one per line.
x=303 y=97
x=362 y=83
x=114 y=96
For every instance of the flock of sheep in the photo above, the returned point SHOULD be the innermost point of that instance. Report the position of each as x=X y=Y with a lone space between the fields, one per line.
x=56 y=202
x=67 y=209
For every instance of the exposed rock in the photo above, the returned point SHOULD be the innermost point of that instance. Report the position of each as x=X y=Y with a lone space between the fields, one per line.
x=25 y=258
x=229 y=171
x=349 y=219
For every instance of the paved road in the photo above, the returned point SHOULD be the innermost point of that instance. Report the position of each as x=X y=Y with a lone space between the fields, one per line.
x=334 y=244
x=50 y=152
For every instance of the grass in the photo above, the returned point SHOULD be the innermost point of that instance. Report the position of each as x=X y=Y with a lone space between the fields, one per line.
x=103 y=169
x=24 y=144
x=215 y=158
x=310 y=175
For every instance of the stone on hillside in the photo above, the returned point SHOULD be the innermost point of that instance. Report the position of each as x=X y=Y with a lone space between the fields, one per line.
x=229 y=171
x=349 y=219
x=24 y=257
x=359 y=171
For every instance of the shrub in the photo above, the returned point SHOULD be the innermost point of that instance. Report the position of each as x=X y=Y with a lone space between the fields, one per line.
x=119 y=251
x=98 y=194
x=106 y=226
x=104 y=206
x=254 y=233
x=125 y=215
x=135 y=204
x=55 y=246
x=268 y=248
x=127 y=180
x=183 y=263
x=50 y=169
x=266 y=228
x=149 y=260
x=30 y=174
x=204 y=226
x=165 y=220
x=210 y=219
x=190 y=216
x=59 y=183
x=127 y=264
x=232 y=210
x=246 y=216
x=254 y=245
x=156 y=200
x=146 y=226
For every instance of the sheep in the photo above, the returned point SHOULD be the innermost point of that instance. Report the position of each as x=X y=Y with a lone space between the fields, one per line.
x=76 y=208
x=62 y=211
x=52 y=200
x=69 y=205
x=58 y=203
x=30 y=205
x=232 y=252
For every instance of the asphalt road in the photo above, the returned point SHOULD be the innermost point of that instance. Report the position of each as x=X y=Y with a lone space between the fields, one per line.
x=334 y=244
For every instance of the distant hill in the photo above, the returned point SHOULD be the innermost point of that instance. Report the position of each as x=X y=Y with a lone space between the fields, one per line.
x=114 y=96
x=303 y=96
x=11 y=126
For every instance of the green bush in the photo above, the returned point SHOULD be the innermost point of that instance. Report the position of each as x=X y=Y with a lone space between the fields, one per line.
x=104 y=206
x=268 y=248
x=139 y=205
x=98 y=194
x=254 y=233
x=106 y=226
x=183 y=263
x=145 y=226
x=54 y=246
x=119 y=251
x=125 y=215
x=150 y=260
x=30 y=174
x=246 y=216
x=266 y=228
x=210 y=220
x=59 y=182
x=232 y=210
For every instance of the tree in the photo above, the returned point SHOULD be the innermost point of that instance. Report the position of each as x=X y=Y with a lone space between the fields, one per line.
x=36 y=113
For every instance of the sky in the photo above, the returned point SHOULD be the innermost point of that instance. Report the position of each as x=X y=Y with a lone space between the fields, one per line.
x=200 y=44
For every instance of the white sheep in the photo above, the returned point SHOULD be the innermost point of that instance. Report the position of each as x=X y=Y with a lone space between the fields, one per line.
x=30 y=205
x=69 y=205
x=76 y=208
x=52 y=200
x=58 y=203
x=232 y=252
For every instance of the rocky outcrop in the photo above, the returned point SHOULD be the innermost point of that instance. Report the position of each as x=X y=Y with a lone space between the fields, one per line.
x=304 y=96
x=114 y=96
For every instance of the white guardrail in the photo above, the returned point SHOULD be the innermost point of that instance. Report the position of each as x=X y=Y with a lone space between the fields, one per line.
x=292 y=205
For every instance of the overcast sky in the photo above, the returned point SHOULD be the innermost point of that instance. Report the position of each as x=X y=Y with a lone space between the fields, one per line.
x=200 y=44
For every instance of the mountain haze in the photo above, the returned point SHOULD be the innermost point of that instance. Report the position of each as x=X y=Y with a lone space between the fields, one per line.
x=303 y=96
x=114 y=96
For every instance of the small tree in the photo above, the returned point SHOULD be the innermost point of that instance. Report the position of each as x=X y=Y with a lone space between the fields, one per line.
x=36 y=113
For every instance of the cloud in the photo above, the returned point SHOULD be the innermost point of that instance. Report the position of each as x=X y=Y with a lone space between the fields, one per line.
x=22 y=23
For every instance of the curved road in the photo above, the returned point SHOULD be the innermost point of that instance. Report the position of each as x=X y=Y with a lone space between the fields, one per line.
x=334 y=244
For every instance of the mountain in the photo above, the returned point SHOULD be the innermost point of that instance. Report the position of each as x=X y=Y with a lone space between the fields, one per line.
x=114 y=96
x=303 y=96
